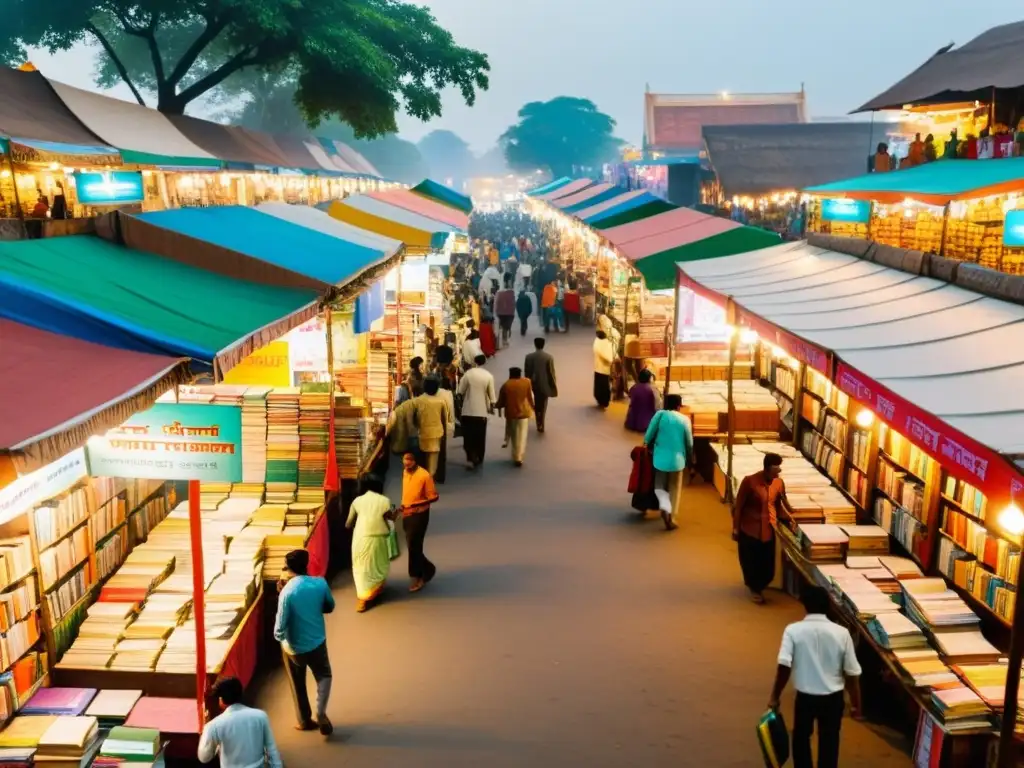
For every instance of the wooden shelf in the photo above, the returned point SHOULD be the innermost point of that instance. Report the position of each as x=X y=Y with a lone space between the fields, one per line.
x=66 y=533
x=814 y=429
x=17 y=581
x=60 y=579
x=889 y=458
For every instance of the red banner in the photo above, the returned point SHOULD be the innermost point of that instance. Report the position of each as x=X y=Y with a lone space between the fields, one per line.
x=962 y=456
x=319 y=547
x=244 y=652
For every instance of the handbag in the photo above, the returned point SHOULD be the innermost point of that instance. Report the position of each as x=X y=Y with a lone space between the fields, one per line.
x=773 y=738
x=393 y=550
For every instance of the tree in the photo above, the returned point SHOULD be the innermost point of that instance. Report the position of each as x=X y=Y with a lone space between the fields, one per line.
x=359 y=61
x=447 y=155
x=560 y=136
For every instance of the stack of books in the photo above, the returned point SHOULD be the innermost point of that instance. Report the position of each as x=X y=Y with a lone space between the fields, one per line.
x=961 y=709
x=924 y=667
x=932 y=606
x=136 y=655
x=165 y=715
x=112 y=707
x=866 y=540
x=132 y=745
x=349 y=437
x=59 y=701
x=314 y=437
x=895 y=631
x=98 y=635
x=986 y=680
x=254 y=435
x=68 y=741
x=823 y=542
x=282 y=444
x=966 y=647
x=24 y=732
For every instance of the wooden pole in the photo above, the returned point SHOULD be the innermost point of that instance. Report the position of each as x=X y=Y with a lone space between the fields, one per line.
x=400 y=372
x=671 y=335
x=730 y=404
x=198 y=593
x=1007 y=739
x=945 y=229
x=17 y=197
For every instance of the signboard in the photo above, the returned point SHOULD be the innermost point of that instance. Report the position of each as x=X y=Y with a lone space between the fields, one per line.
x=109 y=187
x=30 y=490
x=307 y=345
x=173 y=441
x=847 y=211
x=267 y=366
x=1013 y=229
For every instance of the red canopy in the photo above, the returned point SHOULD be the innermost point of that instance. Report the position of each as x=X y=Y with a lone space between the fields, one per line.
x=410 y=201
x=56 y=391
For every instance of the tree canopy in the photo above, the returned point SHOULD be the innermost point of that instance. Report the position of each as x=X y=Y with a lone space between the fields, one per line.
x=361 y=62
x=448 y=155
x=560 y=136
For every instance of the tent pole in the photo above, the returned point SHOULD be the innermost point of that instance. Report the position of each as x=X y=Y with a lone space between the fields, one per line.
x=17 y=197
x=198 y=594
x=945 y=229
x=1007 y=745
x=730 y=404
x=670 y=335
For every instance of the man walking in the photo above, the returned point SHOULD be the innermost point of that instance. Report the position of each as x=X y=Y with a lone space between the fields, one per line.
x=524 y=308
x=300 y=629
x=604 y=355
x=820 y=657
x=418 y=493
x=505 y=309
x=477 y=391
x=548 y=299
x=540 y=370
x=516 y=398
x=240 y=734
x=432 y=417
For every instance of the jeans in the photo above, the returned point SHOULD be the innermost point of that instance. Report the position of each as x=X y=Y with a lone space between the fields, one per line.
x=315 y=661
x=828 y=711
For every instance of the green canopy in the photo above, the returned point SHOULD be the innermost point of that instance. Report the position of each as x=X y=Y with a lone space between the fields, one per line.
x=936 y=183
x=131 y=157
x=91 y=289
x=652 y=208
x=659 y=270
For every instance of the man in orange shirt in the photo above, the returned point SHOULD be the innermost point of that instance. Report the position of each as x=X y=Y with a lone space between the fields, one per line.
x=516 y=397
x=548 y=299
x=418 y=493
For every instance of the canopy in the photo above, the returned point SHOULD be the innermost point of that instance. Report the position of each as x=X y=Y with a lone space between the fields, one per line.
x=551 y=186
x=130 y=126
x=313 y=218
x=968 y=73
x=49 y=418
x=295 y=152
x=652 y=206
x=936 y=183
x=583 y=196
x=322 y=255
x=356 y=160
x=654 y=225
x=231 y=143
x=568 y=189
x=445 y=195
x=330 y=152
x=761 y=159
x=94 y=290
x=385 y=219
x=658 y=269
x=610 y=193
x=616 y=205
x=403 y=198
x=912 y=348
x=30 y=110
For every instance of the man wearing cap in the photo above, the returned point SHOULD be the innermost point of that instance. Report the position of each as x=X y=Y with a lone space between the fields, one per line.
x=300 y=629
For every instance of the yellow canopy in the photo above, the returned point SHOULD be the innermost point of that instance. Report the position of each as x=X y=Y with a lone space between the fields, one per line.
x=387 y=220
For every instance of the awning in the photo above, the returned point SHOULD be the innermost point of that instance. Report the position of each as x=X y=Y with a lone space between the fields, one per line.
x=335 y=158
x=445 y=195
x=659 y=269
x=650 y=207
x=270 y=239
x=397 y=223
x=653 y=225
x=610 y=193
x=615 y=205
x=935 y=183
x=643 y=247
x=551 y=186
x=31 y=110
x=295 y=152
x=132 y=127
x=46 y=414
x=582 y=196
x=355 y=160
x=313 y=218
x=571 y=188
x=231 y=143
x=968 y=73
x=94 y=290
x=911 y=348
x=409 y=201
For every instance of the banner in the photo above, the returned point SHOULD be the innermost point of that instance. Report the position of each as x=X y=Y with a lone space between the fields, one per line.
x=173 y=441
x=1013 y=229
x=27 y=491
x=845 y=211
x=307 y=346
x=268 y=366
x=109 y=187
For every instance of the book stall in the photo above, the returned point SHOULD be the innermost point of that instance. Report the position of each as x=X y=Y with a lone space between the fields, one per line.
x=905 y=492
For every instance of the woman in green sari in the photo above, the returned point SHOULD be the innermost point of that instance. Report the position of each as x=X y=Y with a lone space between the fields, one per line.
x=371 y=558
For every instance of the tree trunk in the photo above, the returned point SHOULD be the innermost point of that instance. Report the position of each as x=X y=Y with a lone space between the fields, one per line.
x=171 y=104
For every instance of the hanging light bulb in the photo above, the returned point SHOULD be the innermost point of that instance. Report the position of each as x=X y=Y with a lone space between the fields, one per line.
x=865 y=418
x=1011 y=520
x=748 y=336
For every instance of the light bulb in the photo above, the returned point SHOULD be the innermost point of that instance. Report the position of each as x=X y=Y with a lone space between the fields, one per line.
x=1011 y=520
x=793 y=363
x=865 y=418
x=748 y=336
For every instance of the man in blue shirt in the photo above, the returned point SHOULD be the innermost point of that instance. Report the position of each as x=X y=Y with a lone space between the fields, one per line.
x=240 y=734
x=300 y=629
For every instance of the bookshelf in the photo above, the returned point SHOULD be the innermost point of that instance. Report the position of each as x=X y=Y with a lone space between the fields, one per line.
x=973 y=552
x=781 y=380
x=824 y=426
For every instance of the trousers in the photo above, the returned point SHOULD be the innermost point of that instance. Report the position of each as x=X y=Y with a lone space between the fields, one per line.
x=517 y=430
x=540 y=403
x=828 y=712
x=315 y=661
x=415 y=532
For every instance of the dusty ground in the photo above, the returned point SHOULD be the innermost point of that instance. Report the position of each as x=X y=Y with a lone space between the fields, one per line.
x=560 y=630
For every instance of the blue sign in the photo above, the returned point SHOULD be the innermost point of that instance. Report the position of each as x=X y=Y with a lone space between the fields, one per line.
x=172 y=441
x=109 y=187
x=1013 y=229
x=847 y=211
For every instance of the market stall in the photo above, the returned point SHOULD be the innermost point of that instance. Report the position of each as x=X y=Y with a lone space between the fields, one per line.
x=882 y=359
x=443 y=194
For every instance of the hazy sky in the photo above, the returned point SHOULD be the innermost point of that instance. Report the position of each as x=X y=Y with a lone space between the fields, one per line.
x=844 y=52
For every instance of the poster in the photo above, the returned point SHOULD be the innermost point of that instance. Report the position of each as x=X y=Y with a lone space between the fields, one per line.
x=267 y=366
x=173 y=441
x=846 y=211
x=46 y=482
x=307 y=346
x=344 y=339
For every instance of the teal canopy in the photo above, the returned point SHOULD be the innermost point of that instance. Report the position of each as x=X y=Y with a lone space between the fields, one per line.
x=551 y=186
x=444 y=195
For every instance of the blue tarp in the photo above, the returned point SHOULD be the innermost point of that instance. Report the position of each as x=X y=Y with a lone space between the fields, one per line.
x=369 y=307
x=551 y=186
x=633 y=202
x=603 y=197
x=270 y=239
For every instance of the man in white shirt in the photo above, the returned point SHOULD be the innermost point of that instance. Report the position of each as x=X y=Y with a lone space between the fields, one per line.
x=471 y=349
x=604 y=355
x=820 y=657
x=478 y=398
x=523 y=275
x=240 y=734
